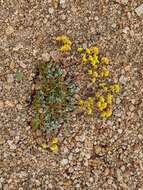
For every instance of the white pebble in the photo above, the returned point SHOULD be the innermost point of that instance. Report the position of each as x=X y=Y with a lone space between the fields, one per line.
x=10 y=78
x=64 y=162
x=139 y=10
x=51 y=10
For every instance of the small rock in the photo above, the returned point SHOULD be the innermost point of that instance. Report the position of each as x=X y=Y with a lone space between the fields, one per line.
x=124 y=2
x=131 y=108
x=64 y=162
x=120 y=131
x=113 y=25
x=125 y=30
x=19 y=46
x=62 y=3
x=84 y=45
x=11 y=145
x=51 y=10
x=139 y=10
x=97 y=149
x=1 y=104
x=46 y=57
x=110 y=181
x=19 y=106
x=119 y=175
x=118 y=100
x=10 y=78
x=9 y=104
x=9 y=30
x=123 y=79
x=12 y=65
x=23 y=65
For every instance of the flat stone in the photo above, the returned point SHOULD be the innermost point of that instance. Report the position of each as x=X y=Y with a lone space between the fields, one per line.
x=1 y=104
x=9 y=30
x=64 y=162
x=10 y=78
x=139 y=10
x=51 y=10
x=46 y=57
x=125 y=30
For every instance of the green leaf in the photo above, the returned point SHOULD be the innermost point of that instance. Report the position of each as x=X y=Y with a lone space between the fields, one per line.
x=18 y=75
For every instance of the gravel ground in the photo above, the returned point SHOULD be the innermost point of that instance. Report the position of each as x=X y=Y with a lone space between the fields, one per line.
x=93 y=155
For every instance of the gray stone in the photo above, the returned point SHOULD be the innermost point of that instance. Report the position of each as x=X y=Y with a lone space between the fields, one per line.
x=51 y=10
x=64 y=162
x=10 y=78
x=139 y=10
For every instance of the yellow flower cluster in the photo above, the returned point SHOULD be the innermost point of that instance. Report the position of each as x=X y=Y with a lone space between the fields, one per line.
x=96 y=70
x=54 y=146
x=66 y=43
x=91 y=56
x=104 y=72
x=115 y=88
x=87 y=104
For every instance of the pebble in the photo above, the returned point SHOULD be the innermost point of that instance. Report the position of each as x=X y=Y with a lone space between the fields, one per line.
x=125 y=30
x=11 y=145
x=119 y=175
x=12 y=65
x=46 y=57
x=9 y=103
x=9 y=30
x=51 y=10
x=131 y=108
x=64 y=162
x=10 y=78
x=110 y=181
x=97 y=149
x=139 y=10
x=1 y=104
x=23 y=65
x=122 y=79
x=120 y=131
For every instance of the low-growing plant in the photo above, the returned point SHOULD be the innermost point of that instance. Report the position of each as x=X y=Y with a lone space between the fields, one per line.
x=53 y=97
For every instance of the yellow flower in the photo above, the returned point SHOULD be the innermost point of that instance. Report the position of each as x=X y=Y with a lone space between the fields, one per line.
x=90 y=71
x=94 y=60
x=44 y=145
x=104 y=72
x=109 y=99
x=54 y=140
x=81 y=102
x=64 y=39
x=115 y=88
x=89 y=111
x=103 y=86
x=97 y=94
x=90 y=100
x=94 y=50
x=104 y=60
x=90 y=58
x=95 y=74
x=65 y=47
x=109 y=113
x=87 y=50
x=101 y=99
x=101 y=105
x=54 y=148
x=103 y=114
x=106 y=114
x=84 y=57
x=93 y=79
x=79 y=49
